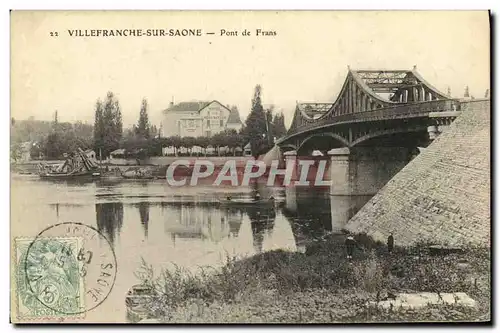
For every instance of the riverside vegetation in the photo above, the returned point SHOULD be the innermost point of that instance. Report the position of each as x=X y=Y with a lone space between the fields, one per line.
x=322 y=286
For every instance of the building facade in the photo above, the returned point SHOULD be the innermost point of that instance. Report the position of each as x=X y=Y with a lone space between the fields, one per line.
x=199 y=119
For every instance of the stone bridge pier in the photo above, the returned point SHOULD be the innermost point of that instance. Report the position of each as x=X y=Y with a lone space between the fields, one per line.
x=357 y=174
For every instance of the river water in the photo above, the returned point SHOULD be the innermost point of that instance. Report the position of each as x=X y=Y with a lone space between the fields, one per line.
x=185 y=226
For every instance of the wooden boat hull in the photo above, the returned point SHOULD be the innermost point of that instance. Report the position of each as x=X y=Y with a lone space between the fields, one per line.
x=137 y=303
x=70 y=176
x=240 y=202
x=138 y=177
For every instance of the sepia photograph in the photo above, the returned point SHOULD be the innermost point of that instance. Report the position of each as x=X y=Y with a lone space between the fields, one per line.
x=271 y=167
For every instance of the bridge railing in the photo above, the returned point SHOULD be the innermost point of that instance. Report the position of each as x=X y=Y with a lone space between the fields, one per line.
x=417 y=109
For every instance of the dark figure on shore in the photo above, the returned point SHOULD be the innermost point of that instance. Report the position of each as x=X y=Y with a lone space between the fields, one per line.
x=350 y=244
x=228 y=198
x=390 y=243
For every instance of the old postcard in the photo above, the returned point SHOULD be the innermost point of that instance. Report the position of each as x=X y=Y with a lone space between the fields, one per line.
x=250 y=167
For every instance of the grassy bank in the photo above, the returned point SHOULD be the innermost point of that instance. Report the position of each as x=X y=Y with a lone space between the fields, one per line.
x=321 y=285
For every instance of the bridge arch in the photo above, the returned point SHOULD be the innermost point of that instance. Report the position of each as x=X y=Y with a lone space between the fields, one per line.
x=334 y=138
x=288 y=147
x=386 y=132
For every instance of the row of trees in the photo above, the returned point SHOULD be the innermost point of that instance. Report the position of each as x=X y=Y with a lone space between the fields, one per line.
x=49 y=138
x=229 y=138
x=467 y=93
x=107 y=134
x=138 y=146
x=63 y=137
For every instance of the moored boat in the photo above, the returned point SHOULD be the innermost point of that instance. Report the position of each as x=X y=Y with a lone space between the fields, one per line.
x=63 y=175
x=76 y=166
x=138 y=302
x=137 y=173
x=248 y=201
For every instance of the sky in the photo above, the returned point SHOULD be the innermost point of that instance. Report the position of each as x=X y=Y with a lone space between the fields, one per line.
x=306 y=61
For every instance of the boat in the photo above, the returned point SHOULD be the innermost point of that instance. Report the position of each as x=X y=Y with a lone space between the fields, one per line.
x=247 y=201
x=76 y=166
x=64 y=175
x=137 y=173
x=138 y=302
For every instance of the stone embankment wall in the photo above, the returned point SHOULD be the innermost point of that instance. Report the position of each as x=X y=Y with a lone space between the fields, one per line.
x=441 y=196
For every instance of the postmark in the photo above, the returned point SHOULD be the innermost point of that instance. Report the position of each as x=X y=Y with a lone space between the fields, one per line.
x=69 y=269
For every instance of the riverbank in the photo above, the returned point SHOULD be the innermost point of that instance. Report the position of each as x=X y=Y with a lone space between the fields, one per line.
x=322 y=286
x=156 y=164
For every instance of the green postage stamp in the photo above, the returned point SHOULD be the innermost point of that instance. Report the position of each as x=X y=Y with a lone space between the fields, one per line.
x=48 y=280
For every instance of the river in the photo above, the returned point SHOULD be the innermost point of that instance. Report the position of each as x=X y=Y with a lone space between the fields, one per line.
x=165 y=225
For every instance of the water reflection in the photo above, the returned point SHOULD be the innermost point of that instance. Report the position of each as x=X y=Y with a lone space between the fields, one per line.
x=309 y=214
x=109 y=218
x=234 y=219
x=302 y=217
x=144 y=215
x=261 y=222
x=199 y=221
x=180 y=226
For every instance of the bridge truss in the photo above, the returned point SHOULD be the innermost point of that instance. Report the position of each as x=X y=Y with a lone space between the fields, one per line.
x=367 y=98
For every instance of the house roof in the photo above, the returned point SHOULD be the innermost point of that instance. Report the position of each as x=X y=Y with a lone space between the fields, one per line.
x=234 y=117
x=188 y=106
x=118 y=152
x=197 y=106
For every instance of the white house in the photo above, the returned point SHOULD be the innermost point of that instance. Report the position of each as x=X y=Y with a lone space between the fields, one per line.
x=199 y=119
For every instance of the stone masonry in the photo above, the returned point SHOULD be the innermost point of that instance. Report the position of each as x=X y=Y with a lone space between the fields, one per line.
x=441 y=196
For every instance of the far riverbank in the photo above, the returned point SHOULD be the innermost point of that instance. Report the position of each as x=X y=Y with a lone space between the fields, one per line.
x=123 y=164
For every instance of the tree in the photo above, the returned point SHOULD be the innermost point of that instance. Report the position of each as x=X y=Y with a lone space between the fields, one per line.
x=279 y=129
x=108 y=127
x=255 y=128
x=176 y=142
x=16 y=151
x=118 y=123
x=155 y=147
x=448 y=91
x=487 y=93
x=216 y=141
x=52 y=147
x=30 y=130
x=143 y=129
x=189 y=142
x=153 y=131
x=233 y=140
x=37 y=150
x=269 y=126
x=466 y=93
x=203 y=142
x=98 y=128
x=135 y=146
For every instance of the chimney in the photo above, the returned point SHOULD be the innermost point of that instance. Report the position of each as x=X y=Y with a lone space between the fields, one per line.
x=172 y=102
